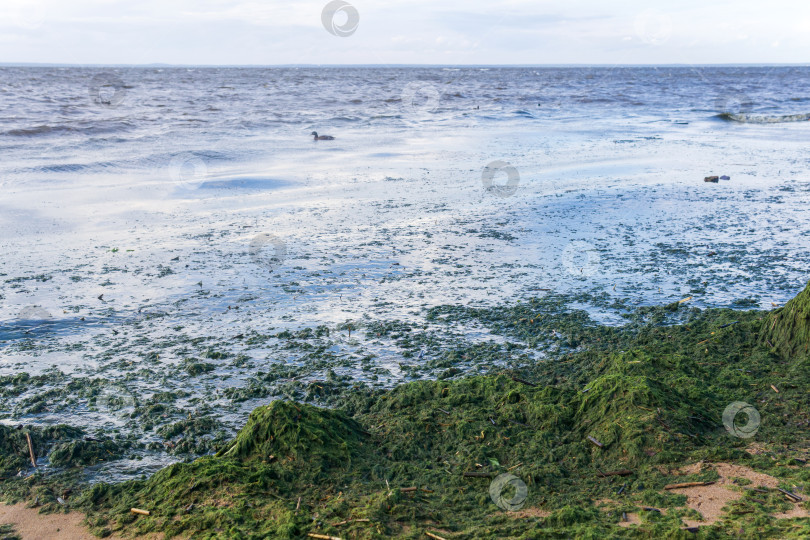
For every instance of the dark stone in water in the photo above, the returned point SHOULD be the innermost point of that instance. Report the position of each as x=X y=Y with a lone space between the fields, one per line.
x=725 y=177
x=714 y=179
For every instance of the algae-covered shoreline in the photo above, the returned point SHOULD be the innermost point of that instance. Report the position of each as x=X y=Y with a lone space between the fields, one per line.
x=595 y=430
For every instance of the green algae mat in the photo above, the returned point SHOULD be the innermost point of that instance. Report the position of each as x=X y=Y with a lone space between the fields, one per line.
x=623 y=432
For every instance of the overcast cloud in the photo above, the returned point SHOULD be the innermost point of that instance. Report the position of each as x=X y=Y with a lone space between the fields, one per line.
x=404 y=32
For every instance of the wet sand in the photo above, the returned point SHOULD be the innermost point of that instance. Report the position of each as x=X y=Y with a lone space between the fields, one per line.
x=29 y=524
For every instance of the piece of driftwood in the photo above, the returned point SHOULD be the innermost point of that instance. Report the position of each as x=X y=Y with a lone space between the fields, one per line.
x=323 y=536
x=434 y=536
x=687 y=485
x=31 y=453
x=790 y=495
x=139 y=511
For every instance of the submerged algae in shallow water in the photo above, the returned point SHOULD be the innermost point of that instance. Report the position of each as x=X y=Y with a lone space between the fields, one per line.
x=14 y=450
x=84 y=452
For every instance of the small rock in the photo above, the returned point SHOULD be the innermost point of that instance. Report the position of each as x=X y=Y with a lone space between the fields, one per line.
x=714 y=179
x=725 y=177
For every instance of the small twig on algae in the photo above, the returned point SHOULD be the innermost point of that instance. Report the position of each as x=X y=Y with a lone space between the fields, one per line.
x=790 y=495
x=477 y=475
x=358 y=520
x=323 y=536
x=595 y=442
x=527 y=383
x=687 y=484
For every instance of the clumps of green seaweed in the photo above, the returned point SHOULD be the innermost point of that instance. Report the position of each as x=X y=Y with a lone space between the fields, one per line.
x=641 y=400
x=14 y=447
x=288 y=431
x=7 y=533
x=85 y=452
x=788 y=328
x=644 y=399
x=61 y=452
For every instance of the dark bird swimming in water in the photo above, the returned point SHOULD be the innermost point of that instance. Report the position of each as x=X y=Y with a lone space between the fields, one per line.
x=322 y=137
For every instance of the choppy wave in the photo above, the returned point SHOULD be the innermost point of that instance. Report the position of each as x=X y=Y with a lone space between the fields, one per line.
x=58 y=113
x=746 y=118
x=46 y=129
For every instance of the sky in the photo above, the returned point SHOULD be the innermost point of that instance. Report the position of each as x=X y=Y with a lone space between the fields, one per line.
x=274 y=32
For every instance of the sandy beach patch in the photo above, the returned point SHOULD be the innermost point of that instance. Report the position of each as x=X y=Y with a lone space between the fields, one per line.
x=29 y=524
x=632 y=519
x=530 y=513
x=709 y=500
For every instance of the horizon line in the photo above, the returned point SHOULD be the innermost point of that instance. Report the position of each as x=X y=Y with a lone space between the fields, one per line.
x=259 y=66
